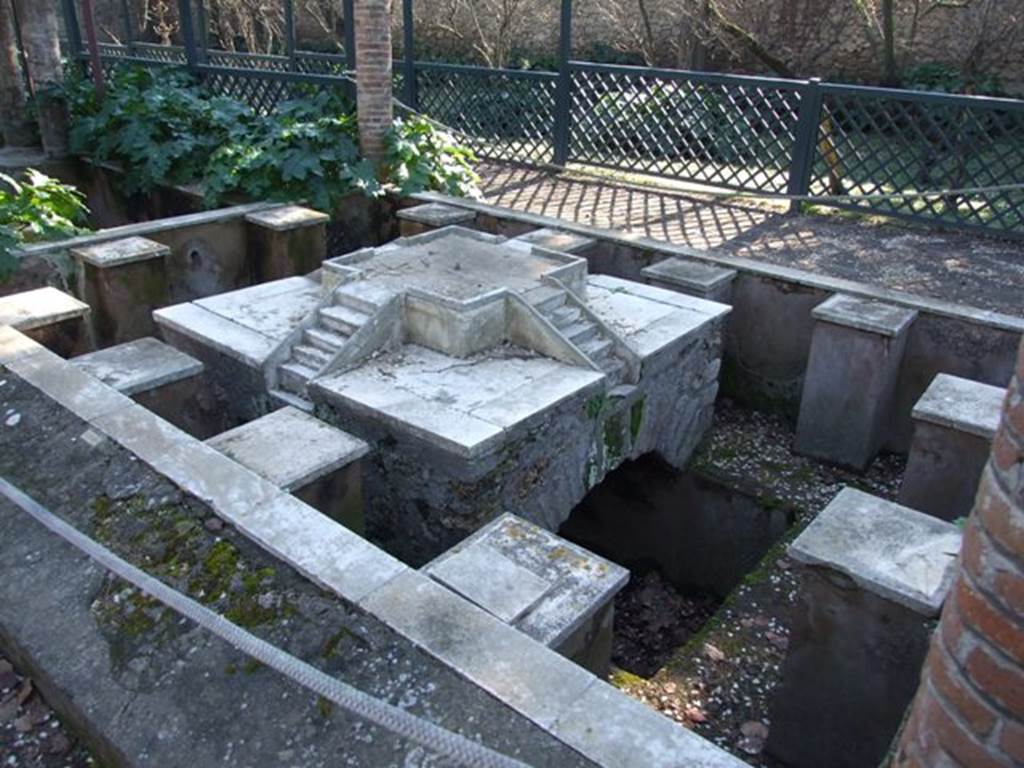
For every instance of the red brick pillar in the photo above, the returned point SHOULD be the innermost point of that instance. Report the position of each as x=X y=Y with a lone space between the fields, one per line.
x=969 y=709
x=373 y=74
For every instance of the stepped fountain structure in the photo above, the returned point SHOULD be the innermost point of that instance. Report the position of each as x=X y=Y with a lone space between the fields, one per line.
x=487 y=374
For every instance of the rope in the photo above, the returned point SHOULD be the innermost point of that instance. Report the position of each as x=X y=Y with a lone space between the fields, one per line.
x=432 y=737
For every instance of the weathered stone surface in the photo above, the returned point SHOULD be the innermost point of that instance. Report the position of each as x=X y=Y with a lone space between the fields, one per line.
x=44 y=306
x=287 y=217
x=703 y=279
x=962 y=405
x=289 y=448
x=894 y=552
x=436 y=215
x=865 y=314
x=556 y=240
x=849 y=391
x=139 y=684
x=140 y=365
x=115 y=253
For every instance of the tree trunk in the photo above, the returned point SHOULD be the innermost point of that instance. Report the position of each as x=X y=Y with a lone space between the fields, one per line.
x=373 y=75
x=890 y=76
x=15 y=123
x=39 y=36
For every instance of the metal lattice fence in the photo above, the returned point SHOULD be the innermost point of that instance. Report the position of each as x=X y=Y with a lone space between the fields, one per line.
x=732 y=132
x=942 y=159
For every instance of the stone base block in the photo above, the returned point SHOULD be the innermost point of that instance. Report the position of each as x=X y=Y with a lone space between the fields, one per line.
x=286 y=241
x=954 y=423
x=873 y=579
x=53 y=318
x=556 y=592
x=848 y=392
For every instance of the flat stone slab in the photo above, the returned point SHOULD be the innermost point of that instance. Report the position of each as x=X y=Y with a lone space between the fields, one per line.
x=38 y=308
x=437 y=215
x=687 y=273
x=457 y=264
x=555 y=240
x=464 y=405
x=890 y=550
x=289 y=447
x=139 y=366
x=287 y=217
x=529 y=577
x=646 y=317
x=118 y=252
x=961 y=404
x=865 y=314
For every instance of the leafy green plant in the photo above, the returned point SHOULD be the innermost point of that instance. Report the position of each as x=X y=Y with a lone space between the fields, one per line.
x=421 y=157
x=34 y=209
x=163 y=127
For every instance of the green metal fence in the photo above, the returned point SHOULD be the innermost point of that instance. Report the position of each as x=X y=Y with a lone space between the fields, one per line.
x=937 y=158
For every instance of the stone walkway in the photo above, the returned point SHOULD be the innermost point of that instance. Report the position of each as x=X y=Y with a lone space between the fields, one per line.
x=978 y=271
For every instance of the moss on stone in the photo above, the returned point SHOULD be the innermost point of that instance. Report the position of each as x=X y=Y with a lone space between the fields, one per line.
x=613 y=438
x=636 y=419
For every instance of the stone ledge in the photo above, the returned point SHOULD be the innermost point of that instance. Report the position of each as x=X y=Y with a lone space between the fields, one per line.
x=29 y=310
x=116 y=253
x=961 y=404
x=138 y=366
x=555 y=240
x=892 y=551
x=864 y=315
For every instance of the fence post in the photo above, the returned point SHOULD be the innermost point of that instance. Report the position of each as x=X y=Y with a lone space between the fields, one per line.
x=188 y=36
x=806 y=144
x=129 y=35
x=408 y=57
x=349 y=9
x=74 y=32
x=204 y=31
x=289 y=32
x=563 y=92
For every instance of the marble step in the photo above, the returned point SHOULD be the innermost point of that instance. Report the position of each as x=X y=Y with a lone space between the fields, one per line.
x=284 y=397
x=565 y=316
x=581 y=332
x=546 y=299
x=596 y=349
x=324 y=339
x=344 y=320
x=293 y=376
x=312 y=357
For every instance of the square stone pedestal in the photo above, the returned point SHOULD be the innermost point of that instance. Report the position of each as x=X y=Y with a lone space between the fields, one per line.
x=429 y=216
x=123 y=281
x=954 y=423
x=161 y=378
x=286 y=241
x=848 y=391
x=302 y=455
x=53 y=318
x=556 y=592
x=873 y=575
x=694 y=278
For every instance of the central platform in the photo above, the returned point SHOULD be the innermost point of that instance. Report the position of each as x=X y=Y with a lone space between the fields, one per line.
x=487 y=375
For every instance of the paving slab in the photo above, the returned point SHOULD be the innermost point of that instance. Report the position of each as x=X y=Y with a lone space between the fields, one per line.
x=289 y=447
x=43 y=306
x=436 y=215
x=139 y=365
x=287 y=217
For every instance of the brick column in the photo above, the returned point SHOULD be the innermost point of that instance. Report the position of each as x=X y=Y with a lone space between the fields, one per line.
x=969 y=708
x=373 y=74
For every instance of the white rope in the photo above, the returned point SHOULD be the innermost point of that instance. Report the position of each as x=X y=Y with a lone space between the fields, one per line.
x=434 y=738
